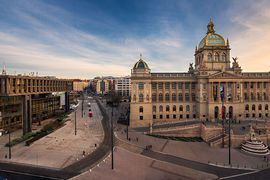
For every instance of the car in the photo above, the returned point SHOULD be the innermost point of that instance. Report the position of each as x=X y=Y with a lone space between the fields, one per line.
x=90 y=114
x=89 y=104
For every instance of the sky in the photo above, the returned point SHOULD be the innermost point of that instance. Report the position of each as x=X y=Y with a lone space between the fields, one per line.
x=84 y=39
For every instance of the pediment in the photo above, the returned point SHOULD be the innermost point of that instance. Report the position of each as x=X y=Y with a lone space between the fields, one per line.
x=223 y=75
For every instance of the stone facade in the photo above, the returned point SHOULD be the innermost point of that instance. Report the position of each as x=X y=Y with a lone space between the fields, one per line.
x=157 y=97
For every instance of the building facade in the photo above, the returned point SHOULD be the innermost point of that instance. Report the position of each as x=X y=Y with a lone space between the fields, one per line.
x=161 y=97
x=102 y=86
x=79 y=85
x=122 y=86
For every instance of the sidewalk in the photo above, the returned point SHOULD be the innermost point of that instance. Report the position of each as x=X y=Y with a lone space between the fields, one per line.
x=62 y=147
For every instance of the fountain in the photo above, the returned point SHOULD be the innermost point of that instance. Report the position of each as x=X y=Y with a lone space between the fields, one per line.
x=254 y=146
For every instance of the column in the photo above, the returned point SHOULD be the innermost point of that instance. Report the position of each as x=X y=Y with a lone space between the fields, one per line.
x=218 y=93
x=26 y=113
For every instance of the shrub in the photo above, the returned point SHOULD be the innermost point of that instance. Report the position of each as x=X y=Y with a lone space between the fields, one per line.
x=20 y=139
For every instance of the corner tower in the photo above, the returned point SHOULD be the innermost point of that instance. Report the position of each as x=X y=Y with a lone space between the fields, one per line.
x=213 y=53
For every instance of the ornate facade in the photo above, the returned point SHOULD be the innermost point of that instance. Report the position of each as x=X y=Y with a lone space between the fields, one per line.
x=161 y=97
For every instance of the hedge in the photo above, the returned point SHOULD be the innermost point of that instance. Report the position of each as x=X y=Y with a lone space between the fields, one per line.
x=20 y=139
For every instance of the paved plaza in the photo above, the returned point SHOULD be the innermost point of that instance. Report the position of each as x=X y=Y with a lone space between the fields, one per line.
x=60 y=148
x=133 y=166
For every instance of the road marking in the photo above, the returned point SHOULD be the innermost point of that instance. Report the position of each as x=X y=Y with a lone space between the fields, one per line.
x=28 y=174
x=237 y=175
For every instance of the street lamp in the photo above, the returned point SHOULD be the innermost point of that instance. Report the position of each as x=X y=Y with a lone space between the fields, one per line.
x=75 y=122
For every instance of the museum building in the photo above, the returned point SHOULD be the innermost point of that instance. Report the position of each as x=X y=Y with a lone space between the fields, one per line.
x=195 y=95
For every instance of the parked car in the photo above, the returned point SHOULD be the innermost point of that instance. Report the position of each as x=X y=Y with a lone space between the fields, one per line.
x=90 y=114
x=89 y=104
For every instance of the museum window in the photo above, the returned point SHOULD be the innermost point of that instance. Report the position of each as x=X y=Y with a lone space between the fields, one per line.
x=174 y=97
x=253 y=107
x=141 y=109
x=264 y=96
x=216 y=57
x=204 y=97
x=194 y=116
x=187 y=108
x=181 y=116
x=223 y=57
x=154 y=97
x=167 y=97
x=209 y=57
x=193 y=97
x=245 y=85
x=194 y=108
x=187 y=97
x=245 y=96
x=160 y=85
x=204 y=86
x=259 y=96
x=266 y=114
x=180 y=85
x=252 y=96
x=160 y=97
x=167 y=108
x=160 y=108
x=258 y=85
x=141 y=117
x=247 y=115
x=264 y=85
x=141 y=84
x=186 y=85
x=167 y=85
x=260 y=107
x=154 y=108
x=154 y=116
x=193 y=85
x=253 y=115
x=251 y=85
x=180 y=108
x=141 y=97
x=247 y=107
x=180 y=97
x=174 y=108
x=161 y=116
x=260 y=115
x=187 y=116
x=266 y=107
x=154 y=85
x=173 y=85
x=168 y=116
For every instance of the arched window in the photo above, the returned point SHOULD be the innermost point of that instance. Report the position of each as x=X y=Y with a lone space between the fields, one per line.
x=141 y=109
x=154 y=108
x=260 y=107
x=180 y=97
x=174 y=97
x=223 y=57
x=160 y=108
x=216 y=57
x=167 y=108
x=180 y=108
x=174 y=108
x=209 y=57
x=253 y=107
x=160 y=97
x=266 y=107
x=247 y=107
x=187 y=108
x=167 y=97
x=141 y=97
x=154 y=97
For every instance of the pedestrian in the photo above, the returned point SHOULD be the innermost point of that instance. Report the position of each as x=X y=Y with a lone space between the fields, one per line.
x=129 y=139
x=83 y=153
x=137 y=139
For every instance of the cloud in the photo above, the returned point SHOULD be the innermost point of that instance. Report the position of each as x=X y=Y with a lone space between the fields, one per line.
x=249 y=34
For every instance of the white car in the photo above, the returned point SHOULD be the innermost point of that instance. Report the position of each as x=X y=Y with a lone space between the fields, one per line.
x=89 y=104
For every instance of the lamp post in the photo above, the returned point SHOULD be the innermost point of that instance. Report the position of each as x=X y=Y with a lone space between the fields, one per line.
x=229 y=141
x=9 y=147
x=75 y=122
x=112 y=144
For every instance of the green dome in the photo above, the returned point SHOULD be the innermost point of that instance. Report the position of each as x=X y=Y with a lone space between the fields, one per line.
x=211 y=38
x=141 y=65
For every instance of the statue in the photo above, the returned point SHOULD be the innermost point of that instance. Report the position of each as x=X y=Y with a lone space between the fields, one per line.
x=235 y=63
x=190 y=69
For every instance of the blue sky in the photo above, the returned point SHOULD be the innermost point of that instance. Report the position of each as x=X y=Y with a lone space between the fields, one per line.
x=84 y=39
